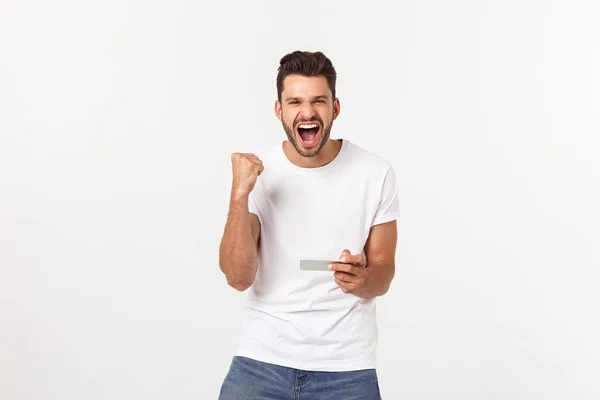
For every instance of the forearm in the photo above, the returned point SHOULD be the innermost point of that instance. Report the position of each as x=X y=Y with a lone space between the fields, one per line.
x=377 y=283
x=238 y=254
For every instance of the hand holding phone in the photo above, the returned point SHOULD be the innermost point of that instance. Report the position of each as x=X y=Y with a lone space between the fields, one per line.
x=317 y=264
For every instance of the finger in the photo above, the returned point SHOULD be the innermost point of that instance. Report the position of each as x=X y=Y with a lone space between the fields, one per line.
x=342 y=267
x=255 y=160
x=346 y=287
x=235 y=156
x=346 y=277
x=249 y=156
x=260 y=169
x=358 y=260
x=345 y=254
x=245 y=158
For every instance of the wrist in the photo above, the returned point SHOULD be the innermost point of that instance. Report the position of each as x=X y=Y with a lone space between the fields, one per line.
x=238 y=195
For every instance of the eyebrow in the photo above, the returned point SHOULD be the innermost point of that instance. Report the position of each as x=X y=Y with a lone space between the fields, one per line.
x=322 y=96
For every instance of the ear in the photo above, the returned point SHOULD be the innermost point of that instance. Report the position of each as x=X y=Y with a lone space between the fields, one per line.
x=336 y=108
x=278 y=109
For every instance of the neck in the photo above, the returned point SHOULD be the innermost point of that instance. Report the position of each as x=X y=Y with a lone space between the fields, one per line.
x=324 y=157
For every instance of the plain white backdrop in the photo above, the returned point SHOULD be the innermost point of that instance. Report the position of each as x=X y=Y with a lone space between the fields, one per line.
x=117 y=121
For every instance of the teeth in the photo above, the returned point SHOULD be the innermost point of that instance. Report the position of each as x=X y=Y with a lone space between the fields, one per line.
x=307 y=126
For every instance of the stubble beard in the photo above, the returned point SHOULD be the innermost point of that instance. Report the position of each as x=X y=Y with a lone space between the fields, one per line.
x=310 y=153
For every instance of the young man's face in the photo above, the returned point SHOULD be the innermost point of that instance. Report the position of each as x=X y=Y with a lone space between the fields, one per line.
x=307 y=111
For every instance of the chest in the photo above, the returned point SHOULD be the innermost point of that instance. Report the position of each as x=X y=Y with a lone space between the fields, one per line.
x=326 y=214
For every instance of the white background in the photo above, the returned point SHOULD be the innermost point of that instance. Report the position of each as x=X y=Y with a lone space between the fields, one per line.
x=117 y=120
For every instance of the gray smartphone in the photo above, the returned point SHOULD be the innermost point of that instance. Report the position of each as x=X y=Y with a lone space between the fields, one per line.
x=316 y=264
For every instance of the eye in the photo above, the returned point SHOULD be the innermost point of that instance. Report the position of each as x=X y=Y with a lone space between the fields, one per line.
x=321 y=101
x=294 y=102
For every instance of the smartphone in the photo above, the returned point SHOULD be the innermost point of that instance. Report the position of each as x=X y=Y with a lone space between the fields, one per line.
x=316 y=264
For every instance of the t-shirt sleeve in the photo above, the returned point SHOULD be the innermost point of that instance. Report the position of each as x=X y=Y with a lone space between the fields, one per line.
x=389 y=205
x=253 y=201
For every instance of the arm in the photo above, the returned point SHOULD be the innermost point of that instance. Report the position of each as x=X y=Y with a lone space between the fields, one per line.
x=380 y=250
x=238 y=254
x=369 y=276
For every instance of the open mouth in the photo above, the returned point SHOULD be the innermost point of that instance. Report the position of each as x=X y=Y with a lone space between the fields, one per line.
x=308 y=133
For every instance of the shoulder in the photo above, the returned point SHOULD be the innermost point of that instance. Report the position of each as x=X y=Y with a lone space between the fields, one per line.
x=267 y=154
x=368 y=160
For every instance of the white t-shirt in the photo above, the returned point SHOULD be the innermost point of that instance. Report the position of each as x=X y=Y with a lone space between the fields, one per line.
x=302 y=319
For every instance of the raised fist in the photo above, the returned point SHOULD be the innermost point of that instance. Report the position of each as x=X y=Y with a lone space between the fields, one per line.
x=246 y=169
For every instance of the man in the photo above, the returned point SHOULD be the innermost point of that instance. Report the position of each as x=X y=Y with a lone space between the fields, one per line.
x=308 y=334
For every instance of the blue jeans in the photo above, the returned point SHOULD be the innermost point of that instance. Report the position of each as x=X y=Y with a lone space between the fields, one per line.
x=249 y=379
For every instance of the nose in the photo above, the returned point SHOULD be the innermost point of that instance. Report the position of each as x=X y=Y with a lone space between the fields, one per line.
x=307 y=111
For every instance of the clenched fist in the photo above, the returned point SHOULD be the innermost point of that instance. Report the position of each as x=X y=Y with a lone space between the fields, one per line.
x=246 y=169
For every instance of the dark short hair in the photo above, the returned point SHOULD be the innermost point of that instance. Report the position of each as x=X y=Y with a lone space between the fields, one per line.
x=306 y=63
